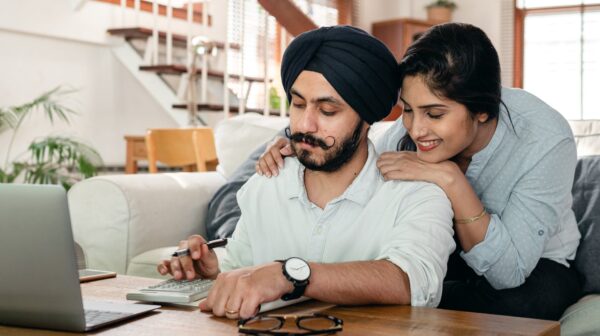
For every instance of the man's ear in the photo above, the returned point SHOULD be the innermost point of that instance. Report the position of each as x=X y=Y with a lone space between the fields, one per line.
x=365 y=128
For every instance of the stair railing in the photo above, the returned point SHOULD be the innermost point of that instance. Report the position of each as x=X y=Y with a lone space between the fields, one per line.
x=169 y=42
x=226 y=65
x=243 y=94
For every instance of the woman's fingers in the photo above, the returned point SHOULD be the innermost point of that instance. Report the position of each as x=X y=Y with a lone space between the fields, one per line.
x=286 y=151
x=272 y=160
x=262 y=167
x=271 y=164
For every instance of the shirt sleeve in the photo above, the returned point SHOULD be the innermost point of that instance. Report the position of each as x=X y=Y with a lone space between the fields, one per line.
x=515 y=240
x=421 y=242
x=388 y=142
x=239 y=249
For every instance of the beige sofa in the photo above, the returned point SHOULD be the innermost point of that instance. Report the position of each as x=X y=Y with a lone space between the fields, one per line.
x=128 y=223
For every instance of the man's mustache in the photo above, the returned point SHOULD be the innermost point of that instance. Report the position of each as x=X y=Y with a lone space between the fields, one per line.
x=309 y=139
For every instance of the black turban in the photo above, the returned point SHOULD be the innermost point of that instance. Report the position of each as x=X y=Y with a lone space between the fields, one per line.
x=360 y=67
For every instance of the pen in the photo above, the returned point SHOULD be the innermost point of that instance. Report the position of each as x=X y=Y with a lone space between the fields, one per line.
x=211 y=245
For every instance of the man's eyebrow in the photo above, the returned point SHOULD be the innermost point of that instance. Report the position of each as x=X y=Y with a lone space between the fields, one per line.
x=424 y=106
x=296 y=93
x=325 y=99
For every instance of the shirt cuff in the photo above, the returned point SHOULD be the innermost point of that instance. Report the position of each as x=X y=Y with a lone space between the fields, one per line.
x=423 y=293
x=487 y=252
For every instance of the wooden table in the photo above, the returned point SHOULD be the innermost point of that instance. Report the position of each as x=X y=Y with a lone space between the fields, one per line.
x=367 y=320
x=136 y=150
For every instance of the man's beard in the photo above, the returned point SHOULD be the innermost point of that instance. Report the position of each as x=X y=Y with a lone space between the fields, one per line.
x=335 y=156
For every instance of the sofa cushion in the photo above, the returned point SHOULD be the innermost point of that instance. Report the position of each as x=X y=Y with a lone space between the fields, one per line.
x=586 y=205
x=587 y=136
x=582 y=318
x=237 y=137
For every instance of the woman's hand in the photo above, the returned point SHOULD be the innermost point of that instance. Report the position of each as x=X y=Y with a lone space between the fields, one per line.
x=271 y=160
x=406 y=166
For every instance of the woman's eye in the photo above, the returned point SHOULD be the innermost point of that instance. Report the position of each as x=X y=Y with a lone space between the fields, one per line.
x=407 y=109
x=327 y=113
x=434 y=116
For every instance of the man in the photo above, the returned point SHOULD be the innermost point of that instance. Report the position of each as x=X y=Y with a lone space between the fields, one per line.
x=364 y=240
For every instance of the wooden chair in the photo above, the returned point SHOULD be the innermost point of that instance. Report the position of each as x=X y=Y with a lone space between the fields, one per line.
x=193 y=149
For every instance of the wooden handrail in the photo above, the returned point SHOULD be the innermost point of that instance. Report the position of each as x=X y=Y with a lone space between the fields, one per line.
x=144 y=33
x=178 y=13
x=288 y=15
x=178 y=69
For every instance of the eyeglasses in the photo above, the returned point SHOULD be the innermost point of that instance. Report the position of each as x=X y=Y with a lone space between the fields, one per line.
x=272 y=324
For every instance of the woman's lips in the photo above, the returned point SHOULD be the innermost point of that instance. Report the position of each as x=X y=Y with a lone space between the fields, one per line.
x=426 y=146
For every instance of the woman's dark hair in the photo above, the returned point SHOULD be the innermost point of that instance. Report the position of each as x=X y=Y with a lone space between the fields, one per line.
x=456 y=61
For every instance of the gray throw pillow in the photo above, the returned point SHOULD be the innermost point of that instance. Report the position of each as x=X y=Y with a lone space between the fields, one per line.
x=586 y=205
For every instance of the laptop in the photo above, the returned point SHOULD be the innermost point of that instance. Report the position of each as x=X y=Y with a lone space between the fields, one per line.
x=39 y=282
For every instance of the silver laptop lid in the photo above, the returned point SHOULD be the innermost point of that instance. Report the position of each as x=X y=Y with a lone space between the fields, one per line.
x=39 y=286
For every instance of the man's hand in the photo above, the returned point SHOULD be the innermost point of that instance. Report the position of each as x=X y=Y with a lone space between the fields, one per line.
x=202 y=261
x=239 y=293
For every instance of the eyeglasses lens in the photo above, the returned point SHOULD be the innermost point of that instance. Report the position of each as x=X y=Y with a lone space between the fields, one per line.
x=316 y=323
x=263 y=323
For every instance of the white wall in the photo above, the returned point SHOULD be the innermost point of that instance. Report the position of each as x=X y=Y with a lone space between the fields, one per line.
x=48 y=43
x=485 y=14
x=110 y=102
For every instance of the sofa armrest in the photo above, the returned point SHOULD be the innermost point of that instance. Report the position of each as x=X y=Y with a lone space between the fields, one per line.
x=117 y=217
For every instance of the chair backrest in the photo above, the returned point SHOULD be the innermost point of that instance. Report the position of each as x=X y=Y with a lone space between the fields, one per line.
x=190 y=148
x=206 y=152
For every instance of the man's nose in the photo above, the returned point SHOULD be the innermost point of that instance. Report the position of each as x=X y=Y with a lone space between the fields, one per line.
x=309 y=121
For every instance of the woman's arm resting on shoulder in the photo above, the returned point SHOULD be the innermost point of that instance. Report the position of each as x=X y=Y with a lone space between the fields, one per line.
x=515 y=239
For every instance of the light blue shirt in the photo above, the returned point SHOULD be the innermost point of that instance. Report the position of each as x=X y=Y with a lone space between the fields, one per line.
x=524 y=178
x=407 y=223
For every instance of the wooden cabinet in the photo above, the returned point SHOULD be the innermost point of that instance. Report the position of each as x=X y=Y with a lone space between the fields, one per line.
x=398 y=34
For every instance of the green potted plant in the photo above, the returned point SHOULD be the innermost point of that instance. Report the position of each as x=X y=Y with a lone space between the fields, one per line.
x=440 y=11
x=52 y=159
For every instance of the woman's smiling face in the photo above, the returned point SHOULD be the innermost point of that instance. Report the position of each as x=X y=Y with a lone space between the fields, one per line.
x=441 y=128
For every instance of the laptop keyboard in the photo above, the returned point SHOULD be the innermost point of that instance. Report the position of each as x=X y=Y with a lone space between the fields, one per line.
x=97 y=317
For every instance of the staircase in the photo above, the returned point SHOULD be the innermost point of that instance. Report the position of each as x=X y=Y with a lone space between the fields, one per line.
x=168 y=66
x=164 y=63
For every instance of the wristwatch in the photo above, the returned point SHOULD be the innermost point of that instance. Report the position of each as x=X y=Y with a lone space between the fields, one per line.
x=297 y=271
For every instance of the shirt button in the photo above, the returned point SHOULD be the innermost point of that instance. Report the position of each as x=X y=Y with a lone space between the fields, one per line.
x=541 y=232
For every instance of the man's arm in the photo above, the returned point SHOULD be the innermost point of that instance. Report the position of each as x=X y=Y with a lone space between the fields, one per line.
x=239 y=293
x=359 y=282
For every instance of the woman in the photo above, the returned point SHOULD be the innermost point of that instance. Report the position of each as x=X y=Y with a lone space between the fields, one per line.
x=506 y=161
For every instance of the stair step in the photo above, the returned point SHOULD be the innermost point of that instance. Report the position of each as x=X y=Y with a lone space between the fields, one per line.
x=219 y=108
x=144 y=33
x=178 y=69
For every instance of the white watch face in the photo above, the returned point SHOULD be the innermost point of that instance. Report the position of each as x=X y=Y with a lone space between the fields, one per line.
x=297 y=269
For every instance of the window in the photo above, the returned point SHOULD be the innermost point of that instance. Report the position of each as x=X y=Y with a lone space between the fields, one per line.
x=561 y=54
x=322 y=12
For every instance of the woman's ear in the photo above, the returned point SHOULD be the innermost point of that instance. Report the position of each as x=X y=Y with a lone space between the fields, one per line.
x=482 y=117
